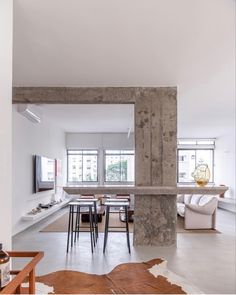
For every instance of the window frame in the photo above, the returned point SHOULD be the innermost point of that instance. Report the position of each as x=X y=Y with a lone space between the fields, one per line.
x=196 y=149
x=121 y=154
x=82 y=154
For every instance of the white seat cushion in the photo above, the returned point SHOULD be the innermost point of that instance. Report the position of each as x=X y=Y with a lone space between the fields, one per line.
x=204 y=200
x=187 y=199
x=181 y=209
x=195 y=199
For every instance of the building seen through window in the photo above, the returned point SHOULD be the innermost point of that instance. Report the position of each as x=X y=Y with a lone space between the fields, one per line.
x=82 y=165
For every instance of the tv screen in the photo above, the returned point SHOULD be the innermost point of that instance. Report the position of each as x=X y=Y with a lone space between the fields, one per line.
x=44 y=174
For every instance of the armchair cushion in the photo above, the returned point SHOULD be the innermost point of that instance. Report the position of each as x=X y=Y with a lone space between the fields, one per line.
x=206 y=199
x=207 y=209
x=187 y=199
x=195 y=199
x=181 y=209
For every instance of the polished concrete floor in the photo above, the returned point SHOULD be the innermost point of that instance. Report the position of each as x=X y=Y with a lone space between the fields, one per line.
x=205 y=260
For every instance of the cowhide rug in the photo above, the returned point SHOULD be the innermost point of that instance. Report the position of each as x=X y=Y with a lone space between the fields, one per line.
x=152 y=277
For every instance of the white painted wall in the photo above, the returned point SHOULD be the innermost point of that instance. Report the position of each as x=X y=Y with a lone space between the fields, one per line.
x=31 y=139
x=6 y=30
x=225 y=162
x=100 y=142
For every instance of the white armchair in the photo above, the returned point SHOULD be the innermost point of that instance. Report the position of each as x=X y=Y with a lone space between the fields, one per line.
x=199 y=212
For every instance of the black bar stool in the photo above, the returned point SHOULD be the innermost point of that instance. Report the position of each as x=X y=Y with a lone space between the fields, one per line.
x=75 y=228
x=114 y=204
x=94 y=213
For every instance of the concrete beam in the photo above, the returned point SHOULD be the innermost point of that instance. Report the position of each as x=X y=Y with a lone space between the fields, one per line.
x=86 y=95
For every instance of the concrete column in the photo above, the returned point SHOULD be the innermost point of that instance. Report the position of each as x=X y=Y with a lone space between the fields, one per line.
x=155 y=165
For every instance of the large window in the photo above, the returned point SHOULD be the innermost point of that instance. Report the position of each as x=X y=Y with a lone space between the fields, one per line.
x=119 y=166
x=192 y=153
x=82 y=165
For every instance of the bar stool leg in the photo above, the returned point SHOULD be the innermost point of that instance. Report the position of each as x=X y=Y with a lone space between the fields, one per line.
x=72 y=226
x=96 y=220
x=78 y=226
x=76 y=223
x=127 y=226
x=68 y=232
x=106 y=228
x=91 y=227
x=93 y=232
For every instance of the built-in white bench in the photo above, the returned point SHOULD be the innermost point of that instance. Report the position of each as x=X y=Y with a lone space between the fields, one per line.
x=45 y=212
x=227 y=204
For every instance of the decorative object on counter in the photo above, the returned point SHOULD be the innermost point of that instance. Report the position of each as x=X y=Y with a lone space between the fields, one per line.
x=4 y=268
x=201 y=175
x=42 y=207
x=49 y=205
x=45 y=206
x=35 y=211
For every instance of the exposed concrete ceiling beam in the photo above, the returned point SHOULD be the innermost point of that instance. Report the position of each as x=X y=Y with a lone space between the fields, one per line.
x=87 y=95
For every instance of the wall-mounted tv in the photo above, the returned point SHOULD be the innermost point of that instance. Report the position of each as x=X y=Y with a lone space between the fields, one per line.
x=44 y=174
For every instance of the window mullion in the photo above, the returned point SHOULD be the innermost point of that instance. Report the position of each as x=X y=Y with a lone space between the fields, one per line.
x=120 y=169
x=82 y=167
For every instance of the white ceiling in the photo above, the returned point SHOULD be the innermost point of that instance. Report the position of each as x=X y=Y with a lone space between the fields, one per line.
x=188 y=43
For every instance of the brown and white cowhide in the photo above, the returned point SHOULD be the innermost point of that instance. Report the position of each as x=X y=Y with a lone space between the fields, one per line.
x=152 y=277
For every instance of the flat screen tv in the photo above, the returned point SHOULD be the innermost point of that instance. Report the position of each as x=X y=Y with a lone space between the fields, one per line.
x=44 y=174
